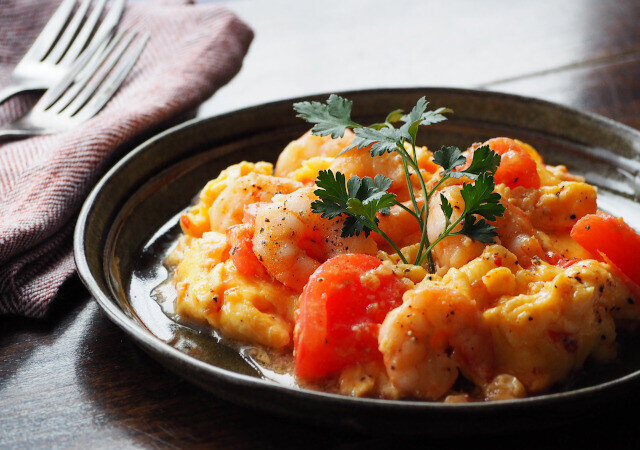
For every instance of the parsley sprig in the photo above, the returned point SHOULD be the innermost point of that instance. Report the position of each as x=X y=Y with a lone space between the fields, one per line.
x=360 y=199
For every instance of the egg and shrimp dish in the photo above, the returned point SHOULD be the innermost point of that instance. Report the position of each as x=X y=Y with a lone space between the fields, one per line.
x=391 y=270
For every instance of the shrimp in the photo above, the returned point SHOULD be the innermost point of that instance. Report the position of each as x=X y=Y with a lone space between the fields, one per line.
x=309 y=146
x=358 y=161
x=433 y=335
x=228 y=208
x=518 y=235
x=400 y=226
x=292 y=241
x=452 y=251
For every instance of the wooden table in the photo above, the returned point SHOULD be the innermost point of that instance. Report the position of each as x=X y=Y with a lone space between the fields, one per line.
x=76 y=380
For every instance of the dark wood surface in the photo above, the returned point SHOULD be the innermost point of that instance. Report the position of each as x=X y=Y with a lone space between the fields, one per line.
x=75 y=380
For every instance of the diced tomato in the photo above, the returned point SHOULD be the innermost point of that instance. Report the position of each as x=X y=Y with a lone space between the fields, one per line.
x=610 y=239
x=185 y=222
x=339 y=315
x=558 y=260
x=553 y=258
x=564 y=263
x=241 y=241
x=497 y=260
x=517 y=167
x=567 y=340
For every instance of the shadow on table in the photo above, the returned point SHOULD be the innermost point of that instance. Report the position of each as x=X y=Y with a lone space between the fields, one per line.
x=155 y=406
x=20 y=336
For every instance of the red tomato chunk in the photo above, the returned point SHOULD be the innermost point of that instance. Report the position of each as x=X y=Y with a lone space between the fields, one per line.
x=517 y=167
x=610 y=239
x=339 y=316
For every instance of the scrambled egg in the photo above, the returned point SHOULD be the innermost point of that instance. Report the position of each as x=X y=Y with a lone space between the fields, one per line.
x=209 y=286
x=197 y=220
x=540 y=322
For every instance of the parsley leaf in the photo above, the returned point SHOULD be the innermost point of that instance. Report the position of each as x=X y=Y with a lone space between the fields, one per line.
x=359 y=199
x=478 y=230
x=484 y=160
x=430 y=117
x=420 y=116
x=332 y=192
x=449 y=158
x=446 y=207
x=479 y=198
x=331 y=118
x=394 y=116
x=381 y=141
x=413 y=120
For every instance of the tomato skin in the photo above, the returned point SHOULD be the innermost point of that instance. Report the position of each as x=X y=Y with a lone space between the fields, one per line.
x=517 y=167
x=610 y=239
x=241 y=241
x=558 y=260
x=565 y=263
x=339 y=317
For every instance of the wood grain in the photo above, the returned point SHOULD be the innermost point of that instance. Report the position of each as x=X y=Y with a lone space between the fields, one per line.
x=611 y=89
x=75 y=380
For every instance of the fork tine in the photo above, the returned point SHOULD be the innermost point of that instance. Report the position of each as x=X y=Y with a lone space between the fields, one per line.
x=98 y=75
x=61 y=46
x=70 y=31
x=110 y=22
x=51 y=30
x=105 y=30
x=85 y=32
x=111 y=85
x=85 y=74
x=90 y=56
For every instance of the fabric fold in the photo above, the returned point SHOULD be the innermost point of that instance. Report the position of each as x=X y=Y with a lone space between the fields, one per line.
x=193 y=50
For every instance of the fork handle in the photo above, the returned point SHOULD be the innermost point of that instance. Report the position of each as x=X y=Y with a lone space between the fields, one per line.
x=13 y=89
x=8 y=134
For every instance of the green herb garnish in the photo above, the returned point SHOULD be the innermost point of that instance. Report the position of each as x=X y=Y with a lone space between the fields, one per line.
x=360 y=199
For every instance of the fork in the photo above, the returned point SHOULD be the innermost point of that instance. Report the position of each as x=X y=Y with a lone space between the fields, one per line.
x=82 y=93
x=62 y=41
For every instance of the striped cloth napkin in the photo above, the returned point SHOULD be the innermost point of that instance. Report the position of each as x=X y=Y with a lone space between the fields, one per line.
x=194 y=49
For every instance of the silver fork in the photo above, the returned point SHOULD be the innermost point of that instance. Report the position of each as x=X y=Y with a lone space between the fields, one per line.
x=61 y=42
x=82 y=93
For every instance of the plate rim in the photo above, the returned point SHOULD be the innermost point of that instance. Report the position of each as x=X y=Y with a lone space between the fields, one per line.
x=148 y=340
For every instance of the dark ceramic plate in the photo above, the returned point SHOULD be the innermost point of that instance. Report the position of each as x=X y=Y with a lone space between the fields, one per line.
x=130 y=219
